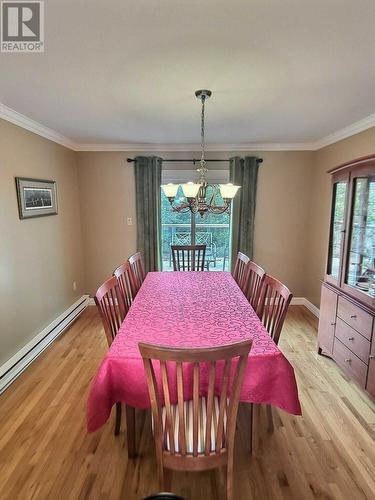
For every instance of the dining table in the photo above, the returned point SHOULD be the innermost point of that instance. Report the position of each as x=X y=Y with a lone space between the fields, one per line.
x=188 y=310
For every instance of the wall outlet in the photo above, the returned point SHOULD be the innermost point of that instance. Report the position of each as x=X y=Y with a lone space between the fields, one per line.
x=74 y=285
x=129 y=221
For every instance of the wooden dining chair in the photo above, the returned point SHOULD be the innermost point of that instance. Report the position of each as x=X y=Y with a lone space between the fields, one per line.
x=239 y=273
x=188 y=257
x=112 y=310
x=137 y=272
x=254 y=276
x=273 y=306
x=123 y=276
x=193 y=431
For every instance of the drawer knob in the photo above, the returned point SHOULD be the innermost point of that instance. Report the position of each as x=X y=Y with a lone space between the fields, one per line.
x=353 y=316
x=348 y=360
x=333 y=324
x=350 y=338
x=372 y=356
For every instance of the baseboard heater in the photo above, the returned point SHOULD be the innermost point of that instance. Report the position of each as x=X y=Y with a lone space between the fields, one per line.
x=25 y=356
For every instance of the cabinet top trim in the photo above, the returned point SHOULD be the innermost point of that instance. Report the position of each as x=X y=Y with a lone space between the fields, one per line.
x=364 y=160
x=348 y=297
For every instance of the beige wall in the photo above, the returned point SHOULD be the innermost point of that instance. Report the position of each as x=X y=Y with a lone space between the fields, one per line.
x=106 y=184
x=39 y=258
x=358 y=145
x=283 y=197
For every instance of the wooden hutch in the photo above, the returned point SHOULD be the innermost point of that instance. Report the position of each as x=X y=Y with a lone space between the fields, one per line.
x=347 y=307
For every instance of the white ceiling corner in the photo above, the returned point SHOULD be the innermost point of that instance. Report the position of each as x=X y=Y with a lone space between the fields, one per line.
x=26 y=123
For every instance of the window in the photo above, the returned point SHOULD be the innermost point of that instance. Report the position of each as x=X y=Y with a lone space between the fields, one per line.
x=185 y=228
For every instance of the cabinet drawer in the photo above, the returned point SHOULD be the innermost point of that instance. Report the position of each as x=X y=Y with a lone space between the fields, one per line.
x=350 y=364
x=356 y=317
x=352 y=339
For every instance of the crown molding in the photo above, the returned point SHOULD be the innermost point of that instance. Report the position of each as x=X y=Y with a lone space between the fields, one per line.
x=23 y=121
x=344 y=133
x=167 y=147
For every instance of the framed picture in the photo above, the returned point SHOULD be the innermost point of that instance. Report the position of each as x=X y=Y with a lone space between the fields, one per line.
x=36 y=197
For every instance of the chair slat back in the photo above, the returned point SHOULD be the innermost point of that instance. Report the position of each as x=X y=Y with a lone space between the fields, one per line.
x=188 y=257
x=239 y=273
x=253 y=284
x=223 y=369
x=123 y=276
x=110 y=303
x=137 y=272
x=273 y=305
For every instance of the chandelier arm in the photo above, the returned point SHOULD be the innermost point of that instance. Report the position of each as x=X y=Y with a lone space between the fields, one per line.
x=219 y=209
x=174 y=205
x=189 y=206
x=181 y=210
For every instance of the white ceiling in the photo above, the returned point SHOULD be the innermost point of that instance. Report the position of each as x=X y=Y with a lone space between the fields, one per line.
x=122 y=71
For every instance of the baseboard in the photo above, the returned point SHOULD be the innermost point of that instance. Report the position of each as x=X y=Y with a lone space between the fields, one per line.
x=10 y=370
x=91 y=301
x=298 y=301
x=302 y=301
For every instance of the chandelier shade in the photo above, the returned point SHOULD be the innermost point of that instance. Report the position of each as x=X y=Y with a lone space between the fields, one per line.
x=170 y=190
x=190 y=189
x=228 y=191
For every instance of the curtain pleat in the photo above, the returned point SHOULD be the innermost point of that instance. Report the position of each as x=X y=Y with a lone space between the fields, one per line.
x=243 y=172
x=147 y=187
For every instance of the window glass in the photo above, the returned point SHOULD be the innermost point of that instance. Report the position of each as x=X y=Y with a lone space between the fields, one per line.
x=360 y=270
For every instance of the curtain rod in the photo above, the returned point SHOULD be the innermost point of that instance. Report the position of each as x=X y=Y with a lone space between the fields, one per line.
x=194 y=161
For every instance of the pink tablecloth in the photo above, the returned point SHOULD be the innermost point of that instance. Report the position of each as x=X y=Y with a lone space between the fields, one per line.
x=189 y=309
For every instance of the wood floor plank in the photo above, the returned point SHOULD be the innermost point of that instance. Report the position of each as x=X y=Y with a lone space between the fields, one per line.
x=46 y=453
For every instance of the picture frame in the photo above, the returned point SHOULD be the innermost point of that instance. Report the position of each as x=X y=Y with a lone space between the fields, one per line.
x=36 y=197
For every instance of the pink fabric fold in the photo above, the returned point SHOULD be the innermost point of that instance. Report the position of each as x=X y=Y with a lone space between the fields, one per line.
x=189 y=309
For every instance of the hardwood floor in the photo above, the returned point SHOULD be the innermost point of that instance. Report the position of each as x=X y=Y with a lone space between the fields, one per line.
x=46 y=453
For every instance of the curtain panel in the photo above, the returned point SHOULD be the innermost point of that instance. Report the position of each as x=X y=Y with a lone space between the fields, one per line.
x=243 y=172
x=147 y=171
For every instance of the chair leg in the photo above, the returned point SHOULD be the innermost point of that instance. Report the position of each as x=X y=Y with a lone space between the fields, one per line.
x=130 y=430
x=118 y=419
x=251 y=427
x=270 y=419
x=161 y=478
x=159 y=461
x=230 y=477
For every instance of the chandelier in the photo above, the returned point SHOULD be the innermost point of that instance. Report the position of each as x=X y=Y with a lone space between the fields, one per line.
x=200 y=197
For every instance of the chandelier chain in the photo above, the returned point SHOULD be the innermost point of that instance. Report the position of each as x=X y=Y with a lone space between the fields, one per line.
x=203 y=168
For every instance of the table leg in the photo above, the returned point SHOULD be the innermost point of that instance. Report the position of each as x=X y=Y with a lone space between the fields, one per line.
x=130 y=430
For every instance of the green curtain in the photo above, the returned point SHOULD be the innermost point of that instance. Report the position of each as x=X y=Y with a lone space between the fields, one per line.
x=147 y=188
x=243 y=172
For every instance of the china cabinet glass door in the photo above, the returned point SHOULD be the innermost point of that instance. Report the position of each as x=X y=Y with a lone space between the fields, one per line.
x=339 y=198
x=360 y=268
